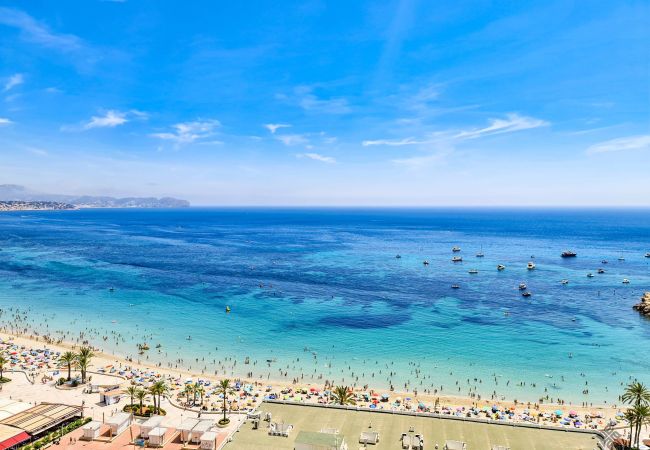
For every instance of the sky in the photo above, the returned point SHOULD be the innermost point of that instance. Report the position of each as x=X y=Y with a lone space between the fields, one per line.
x=377 y=103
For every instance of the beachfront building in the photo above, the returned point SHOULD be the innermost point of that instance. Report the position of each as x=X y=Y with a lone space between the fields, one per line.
x=309 y=440
x=157 y=436
x=199 y=429
x=11 y=438
x=118 y=423
x=110 y=396
x=151 y=423
x=208 y=441
x=10 y=407
x=91 y=430
x=185 y=428
x=41 y=419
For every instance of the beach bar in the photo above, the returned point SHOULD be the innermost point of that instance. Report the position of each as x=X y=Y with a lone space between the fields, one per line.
x=185 y=428
x=151 y=423
x=118 y=423
x=199 y=429
x=157 y=436
x=91 y=430
x=208 y=440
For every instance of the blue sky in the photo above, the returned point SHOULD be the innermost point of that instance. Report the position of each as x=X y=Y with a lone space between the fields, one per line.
x=329 y=102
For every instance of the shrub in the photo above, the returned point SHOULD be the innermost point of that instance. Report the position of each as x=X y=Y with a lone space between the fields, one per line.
x=61 y=381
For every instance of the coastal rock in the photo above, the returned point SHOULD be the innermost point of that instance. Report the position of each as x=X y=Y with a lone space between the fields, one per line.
x=644 y=306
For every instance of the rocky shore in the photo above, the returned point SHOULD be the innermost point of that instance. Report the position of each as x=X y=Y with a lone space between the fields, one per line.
x=644 y=305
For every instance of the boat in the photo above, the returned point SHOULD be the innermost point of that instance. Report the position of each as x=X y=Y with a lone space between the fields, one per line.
x=501 y=267
x=457 y=259
x=227 y=309
x=626 y=281
x=526 y=294
x=425 y=262
x=621 y=258
x=601 y=270
x=398 y=256
x=522 y=286
x=604 y=261
x=480 y=254
x=455 y=249
x=111 y=289
x=647 y=255
x=565 y=281
x=455 y=286
x=569 y=254
x=531 y=265
x=590 y=275
x=473 y=271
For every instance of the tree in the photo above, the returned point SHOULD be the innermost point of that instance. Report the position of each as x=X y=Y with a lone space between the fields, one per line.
x=159 y=388
x=84 y=357
x=637 y=395
x=343 y=395
x=3 y=361
x=68 y=358
x=224 y=388
x=141 y=394
x=189 y=390
x=131 y=391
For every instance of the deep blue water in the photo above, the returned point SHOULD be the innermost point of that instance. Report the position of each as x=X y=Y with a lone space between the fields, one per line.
x=320 y=292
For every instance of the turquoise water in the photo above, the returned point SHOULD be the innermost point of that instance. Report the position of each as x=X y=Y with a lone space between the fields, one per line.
x=320 y=294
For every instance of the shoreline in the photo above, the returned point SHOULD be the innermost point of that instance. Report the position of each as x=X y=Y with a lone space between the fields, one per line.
x=103 y=359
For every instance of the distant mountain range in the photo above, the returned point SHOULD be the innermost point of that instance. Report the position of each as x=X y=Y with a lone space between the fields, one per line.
x=15 y=192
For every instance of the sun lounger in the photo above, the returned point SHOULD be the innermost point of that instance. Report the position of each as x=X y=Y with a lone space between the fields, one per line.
x=369 y=437
x=406 y=441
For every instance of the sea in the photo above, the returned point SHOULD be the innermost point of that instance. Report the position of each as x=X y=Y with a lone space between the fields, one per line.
x=342 y=294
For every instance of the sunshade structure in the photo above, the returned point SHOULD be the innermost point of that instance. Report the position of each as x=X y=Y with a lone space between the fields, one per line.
x=10 y=407
x=11 y=437
x=43 y=417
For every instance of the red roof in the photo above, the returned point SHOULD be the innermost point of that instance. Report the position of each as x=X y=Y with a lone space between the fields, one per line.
x=17 y=439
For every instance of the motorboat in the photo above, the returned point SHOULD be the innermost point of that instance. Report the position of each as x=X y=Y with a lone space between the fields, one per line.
x=601 y=270
x=501 y=267
x=621 y=258
x=626 y=281
x=455 y=249
x=455 y=286
x=457 y=258
x=569 y=254
x=647 y=255
x=604 y=261
x=565 y=281
x=590 y=275
x=522 y=286
x=227 y=309
x=398 y=256
x=473 y=271
x=526 y=294
x=425 y=262
x=531 y=265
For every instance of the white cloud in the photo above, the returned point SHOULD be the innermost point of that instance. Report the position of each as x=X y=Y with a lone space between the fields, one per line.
x=37 y=151
x=111 y=119
x=273 y=127
x=13 y=81
x=640 y=142
x=5 y=121
x=188 y=132
x=38 y=33
x=512 y=122
x=417 y=162
x=292 y=139
x=317 y=157
x=304 y=97
x=394 y=142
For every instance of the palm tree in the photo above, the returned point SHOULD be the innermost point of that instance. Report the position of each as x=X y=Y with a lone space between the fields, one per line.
x=141 y=394
x=200 y=390
x=638 y=396
x=160 y=389
x=3 y=361
x=68 y=358
x=189 y=390
x=83 y=361
x=131 y=391
x=223 y=388
x=343 y=395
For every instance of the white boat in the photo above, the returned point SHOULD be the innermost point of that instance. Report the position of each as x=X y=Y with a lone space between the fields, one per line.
x=473 y=271
x=522 y=286
x=501 y=267
x=626 y=281
x=457 y=258
x=455 y=249
x=531 y=266
x=621 y=258
x=425 y=262
x=590 y=275
x=647 y=255
x=565 y=281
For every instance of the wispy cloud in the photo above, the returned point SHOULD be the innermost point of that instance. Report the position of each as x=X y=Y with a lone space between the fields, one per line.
x=273 y=127
x=189 y=132
x=640 y=142
x=292 y=139
x=37 y=151
x=317 y=157
x=38 y=33
x=110 y=119
x=512 y=122
x=13 y=81
x=4 y=121
x=305 y=97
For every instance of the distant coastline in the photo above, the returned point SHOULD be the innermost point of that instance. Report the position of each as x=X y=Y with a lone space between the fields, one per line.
x=17 y=205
